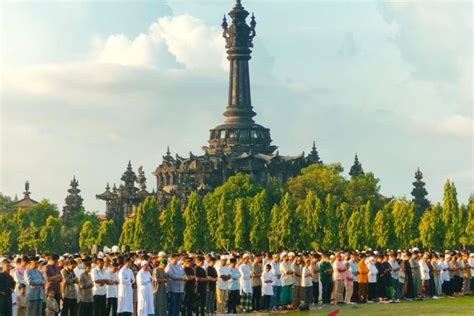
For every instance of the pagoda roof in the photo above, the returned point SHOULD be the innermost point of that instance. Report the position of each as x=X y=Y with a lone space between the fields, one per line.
x=25 y=203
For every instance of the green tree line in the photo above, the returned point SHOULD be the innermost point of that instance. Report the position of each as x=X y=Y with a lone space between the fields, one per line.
x=319 y=209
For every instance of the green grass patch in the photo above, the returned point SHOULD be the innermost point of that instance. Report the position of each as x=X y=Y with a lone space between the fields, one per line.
x=444 y=306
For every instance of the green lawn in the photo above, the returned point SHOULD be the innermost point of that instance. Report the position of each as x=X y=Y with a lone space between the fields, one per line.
x=445 y=306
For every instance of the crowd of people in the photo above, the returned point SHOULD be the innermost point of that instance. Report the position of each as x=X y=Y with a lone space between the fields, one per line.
x=144 y=284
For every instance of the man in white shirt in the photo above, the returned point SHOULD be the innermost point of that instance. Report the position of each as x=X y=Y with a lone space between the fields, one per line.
x=145 y=305
x=395 y=273
x=112 y=288
x=245 y=284
x=125 y=291
x=307 y=285
x=222 y=285
x=286 y=280
x=445 y=276
x=98 y=275
x=276 y=281
x=425 y=275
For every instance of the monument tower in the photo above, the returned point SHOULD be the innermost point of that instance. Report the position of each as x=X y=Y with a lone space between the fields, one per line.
x=239 y=145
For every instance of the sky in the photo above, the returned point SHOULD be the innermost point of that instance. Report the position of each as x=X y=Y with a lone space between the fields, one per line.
x=87 y=86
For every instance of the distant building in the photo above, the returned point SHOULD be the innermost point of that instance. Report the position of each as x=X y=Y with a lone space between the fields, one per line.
x=73 y=201
x=239 y=145
x=26 y=202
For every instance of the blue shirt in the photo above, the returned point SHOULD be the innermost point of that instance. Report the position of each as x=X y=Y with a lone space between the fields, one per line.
x=235 y=281
x=35 y=281
x=175 y=274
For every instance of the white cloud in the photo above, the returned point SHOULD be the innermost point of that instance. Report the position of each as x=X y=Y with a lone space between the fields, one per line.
x=188 y=40
x=435 y=39
x=457 y=126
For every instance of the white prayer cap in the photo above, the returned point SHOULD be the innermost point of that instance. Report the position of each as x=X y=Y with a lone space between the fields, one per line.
x=371 y=258
x=415 y=249
x=448 y=256
x=246 y=255
x=161 y=254
x=376 y=252
x=61 y=258
x=224 y=257
x=283 y=254
x=144 y=263
x=291 y=254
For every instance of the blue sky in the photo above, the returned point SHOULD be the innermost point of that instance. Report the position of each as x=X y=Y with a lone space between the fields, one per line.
x=88 y=85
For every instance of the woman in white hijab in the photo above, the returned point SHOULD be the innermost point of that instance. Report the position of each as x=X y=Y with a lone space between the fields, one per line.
x=144 y=291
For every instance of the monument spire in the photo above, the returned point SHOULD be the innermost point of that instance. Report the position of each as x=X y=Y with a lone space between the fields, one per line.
x=239 y=36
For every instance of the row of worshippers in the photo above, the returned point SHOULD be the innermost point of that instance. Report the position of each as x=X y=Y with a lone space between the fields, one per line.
x=205 y=284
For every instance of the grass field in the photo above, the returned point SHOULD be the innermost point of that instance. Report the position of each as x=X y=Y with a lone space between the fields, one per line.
x=445 y=306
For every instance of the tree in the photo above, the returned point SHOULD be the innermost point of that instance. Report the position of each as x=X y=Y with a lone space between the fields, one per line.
x=72 y=226
x=403 y=214
x=223 y=225
x=468 y=239
x=195 y=224
x=451 y=216
x=128 y=232
x=356 y=169
x=40 y=212
x=259 y=215
x=147 y=225
x=369 y=216
x=6 y=204
x=355 y=230
x=343 y=214
x=87 y=236
x=172 y=226
x=382 y=232
x=310 y=213
x=238 y=186
x=362 y=189
x=108 y=234
x=273 y=239
x=321 y=179
x=419 y=194
x=241 y=231
x=288 y=229
x=431 y=228
x=8 y=242
x=50 y=236
x=330 y=224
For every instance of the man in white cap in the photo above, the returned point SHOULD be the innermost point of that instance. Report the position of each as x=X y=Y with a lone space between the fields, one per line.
x=245 y=284
x=145 y=305
x=222 y=285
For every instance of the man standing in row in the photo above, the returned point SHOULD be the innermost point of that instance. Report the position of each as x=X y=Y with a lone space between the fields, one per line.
x=69 y=289
x=222 y=294
x=144 y=291
x=100 y=290
x=125 y=291
x=176 y=276
x=7 y=286
x=245 y=284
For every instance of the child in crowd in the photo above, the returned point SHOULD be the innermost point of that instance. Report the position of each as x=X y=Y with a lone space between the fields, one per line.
x=21 y=301
x=267 y=287
x=52 y=308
